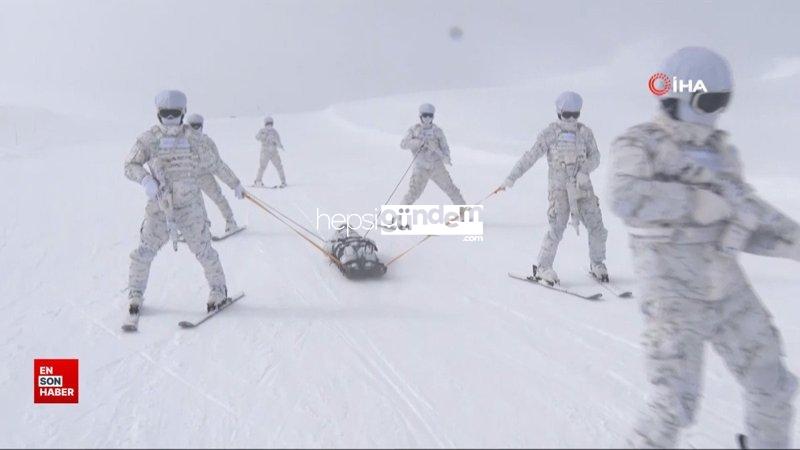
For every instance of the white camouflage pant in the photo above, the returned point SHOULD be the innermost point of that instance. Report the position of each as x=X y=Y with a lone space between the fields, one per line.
x=193 y=226
x=209 y=186
x=275 y=158
x=692 y=294
x=439 y=174
x=558 y=215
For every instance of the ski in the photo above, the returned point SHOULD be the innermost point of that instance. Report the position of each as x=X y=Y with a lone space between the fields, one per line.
x=228 y=302
x=277 y=186
x=131 y=322
x=563 y=290
x=611 y=287
x=222 y=236
x=228 y=234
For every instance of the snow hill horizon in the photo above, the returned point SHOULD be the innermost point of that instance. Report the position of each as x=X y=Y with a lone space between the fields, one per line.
x=446 y=350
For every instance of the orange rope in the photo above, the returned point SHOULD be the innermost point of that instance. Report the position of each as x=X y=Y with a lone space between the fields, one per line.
x=409 y=249
x=261 y=205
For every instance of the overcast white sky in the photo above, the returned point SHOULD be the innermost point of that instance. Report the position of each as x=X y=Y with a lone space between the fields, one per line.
x=246 y=57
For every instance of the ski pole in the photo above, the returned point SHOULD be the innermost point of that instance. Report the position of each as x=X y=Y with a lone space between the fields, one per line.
x=269 y=211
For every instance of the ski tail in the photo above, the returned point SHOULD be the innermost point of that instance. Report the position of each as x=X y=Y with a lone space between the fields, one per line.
x=610 y=287
x=557 y=288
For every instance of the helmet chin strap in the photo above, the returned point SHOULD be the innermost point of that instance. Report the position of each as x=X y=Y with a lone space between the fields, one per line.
x=686 y=113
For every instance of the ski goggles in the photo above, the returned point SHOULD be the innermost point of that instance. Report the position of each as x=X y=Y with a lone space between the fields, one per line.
x=570 y=115
x=709 y=102
x=426 y=115
x=170 y=113
x=196 y=126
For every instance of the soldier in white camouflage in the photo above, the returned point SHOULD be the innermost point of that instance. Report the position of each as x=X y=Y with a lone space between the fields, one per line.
x=572 y=155
x=678 y=184
x=431 y=153
x=270 y=143
x=211 y=164
x=172 y=154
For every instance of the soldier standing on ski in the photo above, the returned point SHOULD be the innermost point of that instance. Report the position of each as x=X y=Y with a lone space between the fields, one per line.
x=431 y=153
x=270 y=143
x=210 y=164
x=172 y=155
x=571 y=155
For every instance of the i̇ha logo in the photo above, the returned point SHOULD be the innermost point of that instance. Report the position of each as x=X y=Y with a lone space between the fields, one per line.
x=55 y=381
x=659 y=84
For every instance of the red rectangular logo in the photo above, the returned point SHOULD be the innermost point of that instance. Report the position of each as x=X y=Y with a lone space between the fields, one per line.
x=55 y=381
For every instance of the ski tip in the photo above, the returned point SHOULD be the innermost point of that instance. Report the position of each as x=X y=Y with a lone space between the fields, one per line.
x=227 y=235
x=185 y=324
x=129 y=328
x=628 y=294
x=595 y=297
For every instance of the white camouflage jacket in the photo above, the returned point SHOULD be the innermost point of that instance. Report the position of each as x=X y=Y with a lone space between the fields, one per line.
x=175 y=158
x=269 y=138
x=657 y=167
x=585 y=160
x=428 y=143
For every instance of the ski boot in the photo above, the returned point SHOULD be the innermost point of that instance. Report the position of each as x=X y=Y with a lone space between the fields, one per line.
x=742 y=441
x=546 y=275
x=599 y=271
x=231 y=225
x=217 y=297
x=282 y=185
x=258 y=183
x=136 y=299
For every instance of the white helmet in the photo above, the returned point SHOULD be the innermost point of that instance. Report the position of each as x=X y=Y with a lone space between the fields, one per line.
x=268 y=120
x=173 y=105
x=171 y=99
x=697 y=64
x=426 y=108
x=569 y=101
x=193 y=119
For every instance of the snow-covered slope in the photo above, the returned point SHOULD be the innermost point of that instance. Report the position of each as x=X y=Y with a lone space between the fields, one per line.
x=445 y=350
x=26 y=131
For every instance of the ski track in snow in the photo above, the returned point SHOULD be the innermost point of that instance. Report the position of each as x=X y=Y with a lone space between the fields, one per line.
x=444 y=351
